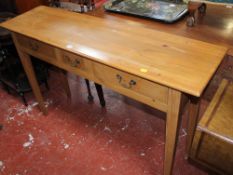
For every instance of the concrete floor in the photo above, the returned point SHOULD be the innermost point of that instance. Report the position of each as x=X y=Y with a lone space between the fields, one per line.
x=82 y=138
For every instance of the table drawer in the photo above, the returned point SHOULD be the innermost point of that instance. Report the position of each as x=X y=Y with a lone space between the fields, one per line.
x=74 y=63
x=133 y=86
x=72 y=60
x=36 y=48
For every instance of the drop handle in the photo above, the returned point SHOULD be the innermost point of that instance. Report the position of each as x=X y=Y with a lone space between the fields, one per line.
x=119 y=78
x=128 y=85
x=73 y=63
x=132 y=83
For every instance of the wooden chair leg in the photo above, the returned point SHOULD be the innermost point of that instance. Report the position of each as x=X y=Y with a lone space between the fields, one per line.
x=192 y=8
x=194 y=106
x=90 y=97
x=23 y=98
x=5 y=87
x=46 y=84
x=65 y=82
x=100 y=94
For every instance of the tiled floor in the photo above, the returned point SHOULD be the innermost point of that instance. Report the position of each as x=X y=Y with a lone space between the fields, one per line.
x=81 y=138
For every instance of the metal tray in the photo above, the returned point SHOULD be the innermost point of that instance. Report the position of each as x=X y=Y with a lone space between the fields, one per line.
x=168 y=11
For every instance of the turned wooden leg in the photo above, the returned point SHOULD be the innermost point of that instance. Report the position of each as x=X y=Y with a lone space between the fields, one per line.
x=1 y=126
x=100 y=94
x=194 y=106
x=192 y=8
x=172 y=129
x=27 y=65
x=23 y=98
x=5 y=87
x=202 y=9
x=46 y=84
x=90 y=97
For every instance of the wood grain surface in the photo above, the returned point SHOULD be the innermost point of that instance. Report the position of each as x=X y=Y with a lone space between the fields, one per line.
x=160 y=57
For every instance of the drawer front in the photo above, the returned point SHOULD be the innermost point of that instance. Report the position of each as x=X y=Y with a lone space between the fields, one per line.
x=133 y=86
x=36 y=48
x=72 y=61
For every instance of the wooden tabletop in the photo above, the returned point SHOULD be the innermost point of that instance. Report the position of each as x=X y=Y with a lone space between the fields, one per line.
x=174 y=61
x=215 y=27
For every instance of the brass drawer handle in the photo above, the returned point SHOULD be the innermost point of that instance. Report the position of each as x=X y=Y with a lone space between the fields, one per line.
x=73 y=63
x=34 y=46
x=129 y=85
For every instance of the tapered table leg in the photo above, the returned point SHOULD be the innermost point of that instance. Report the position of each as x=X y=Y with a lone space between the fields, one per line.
x=172 y=129
x=64 y=82
x=194 y=105
x=27 y=65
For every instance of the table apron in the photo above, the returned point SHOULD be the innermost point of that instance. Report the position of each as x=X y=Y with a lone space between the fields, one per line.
x=145 y=91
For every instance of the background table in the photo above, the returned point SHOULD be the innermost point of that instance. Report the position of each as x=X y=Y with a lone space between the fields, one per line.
x=215 y=27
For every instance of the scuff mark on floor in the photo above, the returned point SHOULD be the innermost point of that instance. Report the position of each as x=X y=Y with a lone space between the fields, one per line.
x=184 y=133
x=22 y=110
x=103 y=168
x=98 y=122
x=142 y=154
x=2 y=166
x=66 y=146
x=107 y=129
x=127 y=121
x=29 y=142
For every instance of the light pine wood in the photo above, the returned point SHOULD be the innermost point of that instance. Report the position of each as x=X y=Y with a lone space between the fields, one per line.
x=213 y=141
x=214 y=28
x=161 y=65
x=221 y=120
x=102 y=74
x=194 y=104
x=27 y=64
x=72 y=60
x=143 y=90
x=170 y=60
x=36 y=46
x=172 y=129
